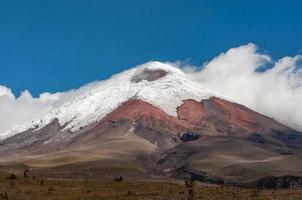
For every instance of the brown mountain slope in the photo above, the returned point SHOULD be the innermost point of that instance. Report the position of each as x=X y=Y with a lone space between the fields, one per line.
x=212 y=140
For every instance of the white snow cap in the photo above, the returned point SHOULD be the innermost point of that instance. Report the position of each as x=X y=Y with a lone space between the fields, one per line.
x=166 y=93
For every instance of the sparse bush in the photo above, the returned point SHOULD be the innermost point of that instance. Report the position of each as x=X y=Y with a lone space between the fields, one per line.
x=25 y=173
x=189 y=183
x=118 y=179
x=130 y=193
x=12 y=177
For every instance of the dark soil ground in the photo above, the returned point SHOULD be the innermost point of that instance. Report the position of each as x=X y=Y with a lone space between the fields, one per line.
x=42 y=189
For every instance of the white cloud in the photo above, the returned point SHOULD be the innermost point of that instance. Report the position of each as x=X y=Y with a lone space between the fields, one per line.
x=6 y=92
x=15 y=111
x=276 y=92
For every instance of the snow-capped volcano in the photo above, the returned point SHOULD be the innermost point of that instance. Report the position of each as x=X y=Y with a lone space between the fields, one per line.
x=159 y=84
x=156 y=120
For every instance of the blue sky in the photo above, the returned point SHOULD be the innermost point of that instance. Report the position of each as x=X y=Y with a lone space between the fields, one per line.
x=62 y=44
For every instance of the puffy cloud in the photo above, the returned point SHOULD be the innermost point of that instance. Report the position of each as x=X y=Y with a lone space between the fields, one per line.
x=248 y=77
x=6 y=92
x=15 y=111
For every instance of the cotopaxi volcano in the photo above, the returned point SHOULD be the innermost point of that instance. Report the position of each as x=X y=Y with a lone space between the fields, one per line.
x=154 y=122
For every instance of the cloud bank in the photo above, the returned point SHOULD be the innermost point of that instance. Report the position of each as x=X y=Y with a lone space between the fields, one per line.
x=248 y=77
x=242 y=75
x=16 y=111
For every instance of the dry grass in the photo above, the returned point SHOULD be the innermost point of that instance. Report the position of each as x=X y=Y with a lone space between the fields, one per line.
x=38 y=189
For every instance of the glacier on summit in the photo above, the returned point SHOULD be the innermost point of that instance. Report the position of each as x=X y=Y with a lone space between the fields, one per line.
x=166 y=93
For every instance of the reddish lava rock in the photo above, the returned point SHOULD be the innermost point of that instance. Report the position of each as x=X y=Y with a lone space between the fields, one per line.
x=212 y=115
x=191 y=111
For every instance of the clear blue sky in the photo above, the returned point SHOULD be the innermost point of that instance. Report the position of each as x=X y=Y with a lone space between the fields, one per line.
x=57 y=45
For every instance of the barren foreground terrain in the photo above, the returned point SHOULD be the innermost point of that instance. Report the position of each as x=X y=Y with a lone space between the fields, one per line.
x=32 y=188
